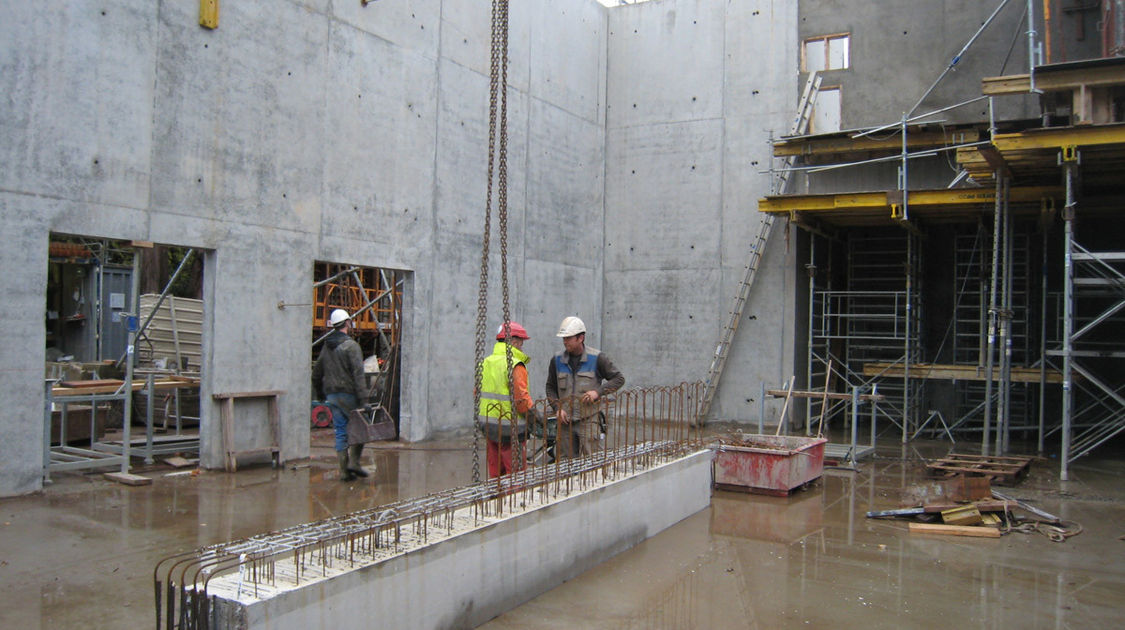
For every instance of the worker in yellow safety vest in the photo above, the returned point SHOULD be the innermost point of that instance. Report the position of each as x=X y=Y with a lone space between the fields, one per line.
x=501 y=428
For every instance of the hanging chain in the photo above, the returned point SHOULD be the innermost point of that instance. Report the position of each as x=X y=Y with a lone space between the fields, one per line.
x=502 y=192
x=499 y=57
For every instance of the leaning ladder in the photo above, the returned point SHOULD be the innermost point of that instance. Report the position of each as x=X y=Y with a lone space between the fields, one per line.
x=799 y=125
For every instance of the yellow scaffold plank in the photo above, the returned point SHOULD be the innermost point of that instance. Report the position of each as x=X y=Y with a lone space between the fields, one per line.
x=1057 y=138
x=949 y=198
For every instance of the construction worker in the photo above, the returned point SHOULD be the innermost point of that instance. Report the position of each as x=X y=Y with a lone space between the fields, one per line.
x=338 y=374
x=497 y=400
x=577 y=377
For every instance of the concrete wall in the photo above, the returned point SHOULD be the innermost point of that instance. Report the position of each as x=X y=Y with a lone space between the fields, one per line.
x=899 y=48
x=305 y=130
x=695 y=90
x=299 y=130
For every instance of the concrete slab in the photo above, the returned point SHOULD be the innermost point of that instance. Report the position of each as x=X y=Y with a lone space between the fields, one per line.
x=81 y=553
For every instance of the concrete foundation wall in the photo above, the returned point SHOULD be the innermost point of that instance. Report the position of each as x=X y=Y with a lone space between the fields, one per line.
x=466 y=580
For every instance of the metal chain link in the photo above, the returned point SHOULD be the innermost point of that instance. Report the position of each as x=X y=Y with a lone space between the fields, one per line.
x=502 y=192
x=499 y=57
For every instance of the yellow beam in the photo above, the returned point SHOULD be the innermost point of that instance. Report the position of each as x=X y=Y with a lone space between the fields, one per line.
x=1009 y=84
x=209 y=13
x=955 y=197
x=1055 y=80
x=1057 y=138
x=836 y=145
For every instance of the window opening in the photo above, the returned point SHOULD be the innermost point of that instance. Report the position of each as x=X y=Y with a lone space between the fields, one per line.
x=827 y=52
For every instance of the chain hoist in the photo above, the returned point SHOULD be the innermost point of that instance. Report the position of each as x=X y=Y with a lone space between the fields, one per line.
x=498 y=169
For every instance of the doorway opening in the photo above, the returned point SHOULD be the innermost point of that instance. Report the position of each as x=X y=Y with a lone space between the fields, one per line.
x=373 y=297
x=124 y=336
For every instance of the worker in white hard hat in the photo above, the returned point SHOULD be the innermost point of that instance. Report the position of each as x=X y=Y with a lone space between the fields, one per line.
x=338 y=374
x=577 y=377
x=505 y=401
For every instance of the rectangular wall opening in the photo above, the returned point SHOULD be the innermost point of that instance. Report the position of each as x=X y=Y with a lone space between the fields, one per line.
x=372 y=296
x=106 y=404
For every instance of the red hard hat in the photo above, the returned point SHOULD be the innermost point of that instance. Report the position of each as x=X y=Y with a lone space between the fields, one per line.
x=517 y=331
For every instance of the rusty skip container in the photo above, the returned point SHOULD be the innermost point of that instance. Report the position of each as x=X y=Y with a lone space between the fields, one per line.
x=768 y=464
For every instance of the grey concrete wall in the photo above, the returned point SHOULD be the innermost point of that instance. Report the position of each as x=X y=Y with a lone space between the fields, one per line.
x=299 y=130
x=315 y=130
x=695 y=90
x=899 y=48
x=472 y=577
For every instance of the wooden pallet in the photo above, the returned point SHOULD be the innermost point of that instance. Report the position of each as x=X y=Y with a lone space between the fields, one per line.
x=1002 y=470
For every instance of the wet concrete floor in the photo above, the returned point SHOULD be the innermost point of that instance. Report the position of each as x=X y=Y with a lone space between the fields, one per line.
x=81 y=553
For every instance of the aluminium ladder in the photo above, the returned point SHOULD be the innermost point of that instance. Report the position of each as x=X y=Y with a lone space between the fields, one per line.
x=799 y=125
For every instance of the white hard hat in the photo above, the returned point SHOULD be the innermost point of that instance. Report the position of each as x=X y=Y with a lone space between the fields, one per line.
x=570 y=327
x=338 y=317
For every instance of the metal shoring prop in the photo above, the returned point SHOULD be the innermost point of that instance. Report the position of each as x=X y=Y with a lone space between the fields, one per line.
x=1003 y=415
x=989 y=357
x=1069 y=167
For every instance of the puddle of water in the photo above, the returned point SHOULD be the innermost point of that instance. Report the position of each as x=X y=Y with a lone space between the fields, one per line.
x=82 y=553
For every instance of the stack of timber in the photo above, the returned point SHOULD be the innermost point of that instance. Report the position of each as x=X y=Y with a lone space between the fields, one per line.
x=1002 y=470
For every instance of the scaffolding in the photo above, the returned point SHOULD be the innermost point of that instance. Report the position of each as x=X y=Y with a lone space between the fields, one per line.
x=1008 y=370
x=1094 y=296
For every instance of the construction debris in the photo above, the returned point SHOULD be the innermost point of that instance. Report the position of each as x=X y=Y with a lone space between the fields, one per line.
x=128 y=479
x=180 y=462
x=987 y=517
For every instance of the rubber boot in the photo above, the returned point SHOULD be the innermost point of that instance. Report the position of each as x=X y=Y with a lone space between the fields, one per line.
x=342 y=460
x=354 y=452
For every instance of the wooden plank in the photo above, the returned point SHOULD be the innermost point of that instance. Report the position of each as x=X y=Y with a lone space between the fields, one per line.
x=138 y=385
x=991 y=472
x=956 y=372
x=128 y=479
x=984 y=506
x=781 y=393
x=261 y=394
x=101 y=382
x=180 y=462
x=999 y=466
x=954 y=530
x=988 y=458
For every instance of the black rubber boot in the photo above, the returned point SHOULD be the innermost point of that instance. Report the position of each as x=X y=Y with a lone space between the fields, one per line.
x=354 y=451
x=342 y=460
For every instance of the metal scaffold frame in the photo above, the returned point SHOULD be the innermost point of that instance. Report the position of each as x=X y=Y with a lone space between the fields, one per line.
x=1094 y=296
x=1002 y=334
x=877 y=320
